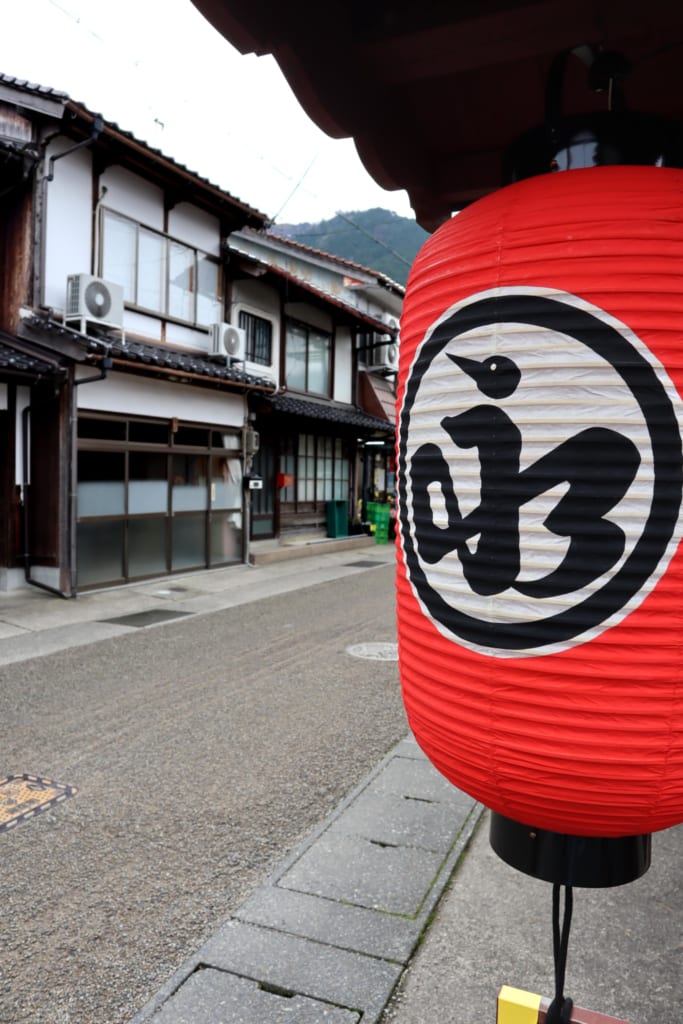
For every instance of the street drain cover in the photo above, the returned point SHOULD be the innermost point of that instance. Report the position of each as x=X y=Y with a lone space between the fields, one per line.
x=24 y=796
x=374 y=651
x=148 y=618
x=363 y=564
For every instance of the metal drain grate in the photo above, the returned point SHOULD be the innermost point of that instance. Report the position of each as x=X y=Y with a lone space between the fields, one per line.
x=24 y=796
x=148 y=618
x=374 y=651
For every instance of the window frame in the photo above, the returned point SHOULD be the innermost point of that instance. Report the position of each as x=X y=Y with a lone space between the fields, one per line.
x=199 y=256
x=249 y=322
x=309 y=329
x=306 y=455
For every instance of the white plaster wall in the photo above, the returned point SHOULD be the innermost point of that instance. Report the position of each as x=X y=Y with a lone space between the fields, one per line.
x=260 y=300
x=132 y=196
x=187 y=337
x=309 y=315
x=133 y=396
x=68 y=222
x=196 y=227
x=141 y=325
x=343 y=364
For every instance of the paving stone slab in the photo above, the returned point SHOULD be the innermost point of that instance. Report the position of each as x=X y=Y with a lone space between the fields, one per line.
x=402 y=821
x=218 y=997
x=407 y=776
x=349 y=980
x=407 y=747
x=352 y=928
x=392 y=879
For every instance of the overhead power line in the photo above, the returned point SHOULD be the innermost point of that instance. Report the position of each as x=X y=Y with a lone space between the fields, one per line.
x=372 y=238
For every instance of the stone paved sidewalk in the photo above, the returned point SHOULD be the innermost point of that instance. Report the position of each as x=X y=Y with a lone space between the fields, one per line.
x=328 y=936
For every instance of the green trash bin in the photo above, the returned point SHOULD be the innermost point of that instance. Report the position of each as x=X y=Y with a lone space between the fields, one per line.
x=337 y=519
x=382 y=517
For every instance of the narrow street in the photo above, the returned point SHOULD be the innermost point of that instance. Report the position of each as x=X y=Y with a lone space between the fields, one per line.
x=201 y=750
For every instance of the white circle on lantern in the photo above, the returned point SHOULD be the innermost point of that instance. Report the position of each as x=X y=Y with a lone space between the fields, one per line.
x=565 y=386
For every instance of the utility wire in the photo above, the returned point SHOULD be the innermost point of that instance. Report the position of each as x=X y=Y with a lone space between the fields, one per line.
x=296 y=187
x=372 y=238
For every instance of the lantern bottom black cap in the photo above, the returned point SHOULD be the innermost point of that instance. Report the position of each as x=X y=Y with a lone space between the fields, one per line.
x=584 y=861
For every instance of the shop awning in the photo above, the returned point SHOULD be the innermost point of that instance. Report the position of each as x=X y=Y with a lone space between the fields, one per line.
x=334 y=413
x=377 y=396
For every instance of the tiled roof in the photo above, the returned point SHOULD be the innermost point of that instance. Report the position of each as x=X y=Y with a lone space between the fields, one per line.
x=113 y=127
x=351 y=311
x=19 y=362
x=349 y=264
x=198 y=363
x=32 y=87
x=332 y=412
x=162 y=358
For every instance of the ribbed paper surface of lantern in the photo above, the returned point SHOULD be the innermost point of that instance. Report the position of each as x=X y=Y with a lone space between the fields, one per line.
x=540 y=586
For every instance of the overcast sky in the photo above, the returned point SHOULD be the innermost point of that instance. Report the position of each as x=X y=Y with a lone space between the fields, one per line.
x=159 y=70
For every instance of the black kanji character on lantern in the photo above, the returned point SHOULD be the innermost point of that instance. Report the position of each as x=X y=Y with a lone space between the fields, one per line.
x=598 y=464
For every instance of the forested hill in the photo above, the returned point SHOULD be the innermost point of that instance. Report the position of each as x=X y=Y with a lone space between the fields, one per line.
x=378 y=239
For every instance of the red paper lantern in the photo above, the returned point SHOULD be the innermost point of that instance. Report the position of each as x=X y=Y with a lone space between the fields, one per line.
x=540 y=585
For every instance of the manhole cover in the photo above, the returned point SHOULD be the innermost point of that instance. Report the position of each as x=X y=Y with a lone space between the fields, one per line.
x=374 y=651
x=148 y=618
x=24 y=796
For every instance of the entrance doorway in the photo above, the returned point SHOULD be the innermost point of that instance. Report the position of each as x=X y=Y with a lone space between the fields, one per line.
x=154 y=498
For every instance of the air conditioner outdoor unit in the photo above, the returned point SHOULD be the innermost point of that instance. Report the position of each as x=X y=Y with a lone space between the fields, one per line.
x=90 y=300
x=386 y=357
x=227 y=340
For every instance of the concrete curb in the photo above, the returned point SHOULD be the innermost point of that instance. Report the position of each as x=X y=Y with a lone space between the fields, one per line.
x=330 y=932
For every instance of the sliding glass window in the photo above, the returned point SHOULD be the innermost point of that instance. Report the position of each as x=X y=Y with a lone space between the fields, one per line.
x=307 y=359
x=160 y=274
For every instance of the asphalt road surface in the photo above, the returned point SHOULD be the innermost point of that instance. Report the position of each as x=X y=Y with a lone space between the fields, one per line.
x=202 y=751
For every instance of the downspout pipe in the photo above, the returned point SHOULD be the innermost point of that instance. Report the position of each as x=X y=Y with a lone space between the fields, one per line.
x=95 y=132
x=105 y=366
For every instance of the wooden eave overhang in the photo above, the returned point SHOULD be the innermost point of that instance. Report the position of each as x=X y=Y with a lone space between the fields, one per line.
x=24 y=363
x=434 y=94
x=180 y=184
x=114 y=145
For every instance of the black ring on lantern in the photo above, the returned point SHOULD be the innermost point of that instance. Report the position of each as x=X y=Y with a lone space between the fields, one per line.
x=646 y=388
